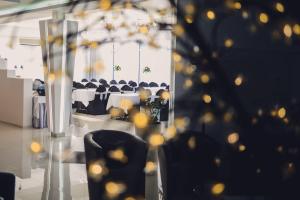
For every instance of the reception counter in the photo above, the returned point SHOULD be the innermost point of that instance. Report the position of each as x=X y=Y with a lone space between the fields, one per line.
x=15 y=99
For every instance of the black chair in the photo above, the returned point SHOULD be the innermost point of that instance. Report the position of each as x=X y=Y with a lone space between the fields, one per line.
x=127 y=88
x=187 y=169
x=113 y=82
x=101 y=89
x=163 y=85
x=122 y=82
x=84 y=80
x=106 y=85
x=94 y=80
x=153 y=84
x=133 y=84
x=7 y=186
x=129 y=82
x=98 y=105
x=79 y=86
x=113 y=89
x=143 y=84
x=98 y=146
x=102 y=81
x=90 y=85
x=159 y=92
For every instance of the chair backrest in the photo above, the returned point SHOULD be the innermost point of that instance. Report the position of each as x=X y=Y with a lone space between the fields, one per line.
x=99 y=145
x=113 y=82
x=101 y=89
x=90 y=85
x=113 y=89
x=7 y=186
x=129 y=82
x=163 y=85
x=159 y=92
x=102 y=81
x=133 y=84
x=94 y=80
x=84 y=80
x=79 y=86
x=144 y=84
x=153 y=84
x=122 y=82
x=126 y=88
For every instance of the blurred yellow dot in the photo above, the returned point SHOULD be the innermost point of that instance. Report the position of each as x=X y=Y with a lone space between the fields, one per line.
x=115 y=112
x=228 y=116
x=245 y=14
x=188 y=83
x=228 y=43
x=178 y=67
x=130 y=198
x=156 y=139
x=150 y=167
x=176 y=57
x=287 y=30
x=165 y=95
x=51 y=77
x=189 y=19
x=217 y=188
x=207 y=117
x=144 y=94
x=233 y=138
x=140 y=120
x=126 y=104
x=98 y=66
x=204 y=78
x=118 y=154
x=296 y=29
x=95 y=169
x=143 y=29
x=190 y=8
x=192 y=143
x=281 y=113
x=181 y=123
x=35 y=147
x=171 y=132
x=206 y=98
x=210 y=15
x=178 y=30
x=263 y=18
x=113 y=189
x=238 y=80
x=279 y=7
x=104 y=4
x=242 y=147
x=237 y=5
x=94 y=44
x=218 y=161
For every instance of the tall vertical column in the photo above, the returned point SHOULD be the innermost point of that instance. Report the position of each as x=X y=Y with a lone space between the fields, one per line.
x=58 y=36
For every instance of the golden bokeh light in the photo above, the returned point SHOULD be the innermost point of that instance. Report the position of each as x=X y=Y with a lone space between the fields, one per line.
x=206 y=98
x=36 y=147
x=192 y=143
x=143 y=29
x=177 y=57
x=190 y=8
x=150 y=167
x=189 y=19
x=130 y=198
x=104 y=4
x=171 y=132
x=118 y=155
x=141 y=120
x=126 y=104
x=51 y=77
x=279 y=7
x=181 y=123
x=245 y=14
x=95 y=169
x=233 y=138
x=237 y=5
x=217 y=188
x=144 y=95
x=228 y=43
x=204 y=78
x=115 y=112
x=263 y=18
x=210 y=15
x=296 y=29
x=242 y=148
x=156 y=139
x=188 y=83
x=287 y=30
x=238 y=81
x=165 y=95
x=178 y=30
x=114 y=189
x=281 y=113
x=207 y=117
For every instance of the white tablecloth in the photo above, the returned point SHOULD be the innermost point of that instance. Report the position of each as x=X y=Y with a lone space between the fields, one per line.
x=84 y=95
x=116 y=99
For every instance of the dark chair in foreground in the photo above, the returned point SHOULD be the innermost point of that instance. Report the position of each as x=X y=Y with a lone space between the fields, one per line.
x=153 y=84
x=113 y=82
x=143 y=84
x=122 y=82
x=187 y=164
x=113 y=89
x=133 y=84
x=7 y=186
x=127 y=88
x=130 y=172
x=84 y=80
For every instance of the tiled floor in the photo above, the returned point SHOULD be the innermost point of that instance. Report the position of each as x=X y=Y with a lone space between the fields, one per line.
x=53 y=173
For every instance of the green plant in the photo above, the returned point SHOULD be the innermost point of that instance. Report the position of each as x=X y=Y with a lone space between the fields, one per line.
x=147 y=70
x=117 y=68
